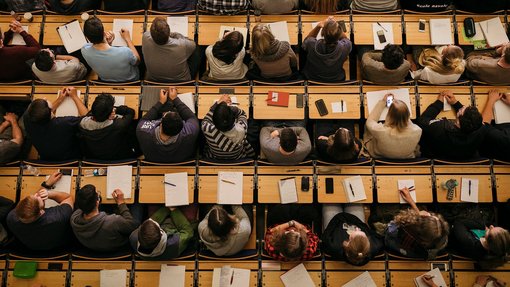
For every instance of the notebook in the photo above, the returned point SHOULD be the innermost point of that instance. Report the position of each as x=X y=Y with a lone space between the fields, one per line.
x=178 y=24
x=17 y=39
x=172 y=276
x=230 y=187
x=226 y=29
x=113 y=278
x=176 y=189
x=441 y=31
x=119 y=101
x=72 y=36
x=402 y=183
x=494 y=32
x=401 y=94
x=362 y=280
x=288 y=191
x=67 y=108
x=339 y=107
x=438 y=279
x=280 y=30
x=227 y=276
x=387 y=30
x=119 y=177
x=297 y=277
x=469 y=190
x=354 y=189
x=501 y=112
x=119 y=24
x=188 y=99
x=280 y=99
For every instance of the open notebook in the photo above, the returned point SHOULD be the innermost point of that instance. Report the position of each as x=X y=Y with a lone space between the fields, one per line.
x=438 y=279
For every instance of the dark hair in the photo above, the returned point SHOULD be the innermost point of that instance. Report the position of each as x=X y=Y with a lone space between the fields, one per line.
x=44 y=61
x=171 y=124
x=392 y=56
x=160 y=31
x=102 y=107
x=331 y=32
x=223 y=117
x=86 y=198
x=149 y=236
x=94 y=30
x=288 y=139
x=471 y=120
x=39 y=111
x=220 y=222
x=227 y=48
x=341 y=147
x=506 y=52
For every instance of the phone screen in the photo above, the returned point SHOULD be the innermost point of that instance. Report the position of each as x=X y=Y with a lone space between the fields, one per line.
x=329 y=185
x=421 y=26
x=382 y=38
x=389 y=101
x=66 y=171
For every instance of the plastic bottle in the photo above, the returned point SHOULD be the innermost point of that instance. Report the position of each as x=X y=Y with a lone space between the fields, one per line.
x=32 y=169
x=94 y=172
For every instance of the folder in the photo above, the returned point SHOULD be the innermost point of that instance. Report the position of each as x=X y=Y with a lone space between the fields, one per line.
x=280 y=99
x=494 y=32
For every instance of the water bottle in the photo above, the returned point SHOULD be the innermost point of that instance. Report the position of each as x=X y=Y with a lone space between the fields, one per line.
x=94 y=172
x=32 y=170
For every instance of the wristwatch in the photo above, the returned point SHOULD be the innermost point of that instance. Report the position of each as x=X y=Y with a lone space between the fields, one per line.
x=45 y=185
x=291 y=223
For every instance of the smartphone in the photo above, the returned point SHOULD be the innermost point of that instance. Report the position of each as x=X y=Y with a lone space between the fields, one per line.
x=469 y=27
x=389 y=101
x=382 y=38
x=55 y=266
x=66 y=171
x=321 y=107
x=342 y=26
x=305 y=183
x=227 y=91
x=440 y=266
x=421 y=25
x=329 y=185
x=299 y=101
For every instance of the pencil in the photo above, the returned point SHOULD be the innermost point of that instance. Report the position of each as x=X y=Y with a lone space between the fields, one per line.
x=165 y=182
x=287 y=178
x=228 y=181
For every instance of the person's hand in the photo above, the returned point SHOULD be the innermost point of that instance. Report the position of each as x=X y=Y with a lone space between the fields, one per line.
x=482 y=279
x=406 y=194
x=163 y=96
x=325 y=138
x=11 y=117
x=505 y=98
x=275 y=133
x=110 y=36
x=118 y=196
x=43 y=193
x=225 y=98
x=323 y=22
x=124 y=33
x=172 y=93
x=427 y=279
x=447 y=96
x=15 y=26
x=72 y=92
x=54 y=178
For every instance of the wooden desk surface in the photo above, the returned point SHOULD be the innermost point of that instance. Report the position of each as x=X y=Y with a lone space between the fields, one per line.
x=30 y=184
x=363 y=32
x=502 y=182
x=428 y=95
x=89 y=278
x=152 y=188
x=482 y=94
x=208 y=182
x=191 y=23
x=352 y=103
x=9 y=180
x=47 y=278
x=415 y=37
x=269 y=176
x=308 y=20
x=406 y=278
x=131 y=94
x=387 y=182
x=51 y=23
x=205 y=101
x=460 y=24
x=34 y=27
x=339 y=278
x=20 y=93
x=209 y=26
x=151 y=278
x=482 y=173
x=138 y=23
x=272 y=278
x=51 y=92
x=412 y=96
x=100 y=183
x=338 y=195
x=292 y=24
x=261 y=111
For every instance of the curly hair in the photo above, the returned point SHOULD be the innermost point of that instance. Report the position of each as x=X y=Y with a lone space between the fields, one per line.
x=431 y=232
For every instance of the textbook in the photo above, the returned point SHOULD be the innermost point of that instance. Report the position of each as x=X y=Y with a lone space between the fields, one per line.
x=288 y=191
x=501 y=112
x=438 y=279
x=227 y=276
x=113 y=278
x=441 y=31
x=178 y=24
x=172 y=276
x=280 y=99
x=362 y=280
x=354 y=189
x=72 y=36
x=494 y=32
x=230 y=188
x=176 y=189
x=119 y=24
x=280 y=30
x=375 y=96
x=297 y=277
x=226 y=29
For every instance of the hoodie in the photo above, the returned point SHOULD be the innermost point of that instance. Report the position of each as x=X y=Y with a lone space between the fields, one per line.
x=219 y=70
x=104 y=232
x=325 y=64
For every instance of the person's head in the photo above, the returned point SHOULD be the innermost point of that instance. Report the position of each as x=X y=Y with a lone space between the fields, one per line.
x=102 y=108
x=160 y=31
x=88 y=199
x=453 y=57
x=149 y=235
x=506 y=54
x=288 y=141
x=392 y=57
x=450 y=61
x=357 y=248
x=94 y=31
x=469 y=119
x=44 y=60
x=227 y=48
x=291 y=243
x=322 y=6
x=498 y=240
x=30 y=208
x=398 y=115
x=429 y=229
x=342 y=146
x=331 y=32
x=261 y=40
x=223 y=117
x=39 y=111
x=220 y=222
x=171 y=123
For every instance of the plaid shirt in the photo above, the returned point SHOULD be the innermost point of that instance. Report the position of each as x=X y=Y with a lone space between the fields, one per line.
x=24 y=5
x=311 y=249
x=223 y=6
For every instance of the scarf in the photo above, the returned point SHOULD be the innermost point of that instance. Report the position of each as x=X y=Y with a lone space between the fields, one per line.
x=276 y=51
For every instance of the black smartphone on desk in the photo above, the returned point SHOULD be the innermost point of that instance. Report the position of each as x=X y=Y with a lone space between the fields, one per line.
x=299 y=101
x=329 y=185
x=321 y=107
x=380 y=35
x=305 y=183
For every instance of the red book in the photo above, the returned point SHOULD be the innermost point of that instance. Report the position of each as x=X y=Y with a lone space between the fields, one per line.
x=280 y=99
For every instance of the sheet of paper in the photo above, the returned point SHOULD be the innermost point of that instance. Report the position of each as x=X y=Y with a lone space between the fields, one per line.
x=297 y=277
x=172 y=276
x=494 y=32
x=226 y=29
x=319 y=36
x=288 y=191
x=446 y=106
x=119 y=177
x=119 y=101
x=113 y=278
x=401 y=183
x=67 y=107
x=362 y=280
x=63 y=185
x=339 y=107
x=469 y=190
x=501 y=112
x=441 y=31
x=119 y=24
x=178 y=24
x=240 y=277
x=438 y=279
x=230 y=187
x=387 y=29
x=188 y=99
x=354 y=188
x=177 y=195
x=374 y=97
x=17 y=39
x=280 y=30
x=72 y=36
x=222 y=276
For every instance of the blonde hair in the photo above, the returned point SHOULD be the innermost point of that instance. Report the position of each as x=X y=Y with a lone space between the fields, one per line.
x=357 y=250
x=261 y=40
x=452 y=62
x=398 y=115
x=431 y=232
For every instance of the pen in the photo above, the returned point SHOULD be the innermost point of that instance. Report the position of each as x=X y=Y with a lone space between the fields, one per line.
x=234 y=104
x=287 y=178
x=232 y=278
x=342 y=103
x=411 y=187
x=352 y=190
x=165 y=182
x=68 y=32
x=228 y=181
x=382 y=26
x=290 y=170
x=470 y=188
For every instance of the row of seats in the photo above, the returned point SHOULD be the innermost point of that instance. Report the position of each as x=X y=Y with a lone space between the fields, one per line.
x=205 y=28
x=260 y=180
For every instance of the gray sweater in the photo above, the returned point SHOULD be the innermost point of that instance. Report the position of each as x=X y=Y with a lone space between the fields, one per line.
x=270 y=146
x=373 y=69
x=104 y=232
x=275 y=7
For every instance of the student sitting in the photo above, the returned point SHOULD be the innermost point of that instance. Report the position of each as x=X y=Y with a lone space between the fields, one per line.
x=223 y=233
x=165 y=235
x=176 y=5
x=225 y=7
x=24 y=5
x=346 y=235
x=225 y=58
x=51 y=68
x=441 y=65
x=11 y=136
x=72 y=6
x=287 y=146
x=491 y=68
x=326 y=7
x=497 y=140
x=385 y=68
x=275 y=59
x=325 y=57
x=275 y=7
x=5 y=206
x=339 y=146
x=398 y=137
x=374 y=5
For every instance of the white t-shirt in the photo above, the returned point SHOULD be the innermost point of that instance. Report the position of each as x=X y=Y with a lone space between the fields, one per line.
x=63 y=71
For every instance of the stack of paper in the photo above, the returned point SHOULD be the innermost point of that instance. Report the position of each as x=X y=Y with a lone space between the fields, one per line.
x=297 y=277
x=230 y=277
x=119 y=177
x=441 y=31
x=376 y=96
x=119 y=101
x=469 y=190
x=354 y=189
x=438 y=279
x=72 y=36
x=119 y=24
x=67 y=108
x=502 y=112
x=363 y=280
x=494 y=32
x=409 y=183
x=188 y=99
x=339 y=107
x=230 y=188
x=387 y=30
x=172 y=276
x=112 y=278
x=176 y=189
x=226 y=29
x=17 y=39
x=178 y=24
x=288 y=191
x=280 y=30
x=63 y=185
